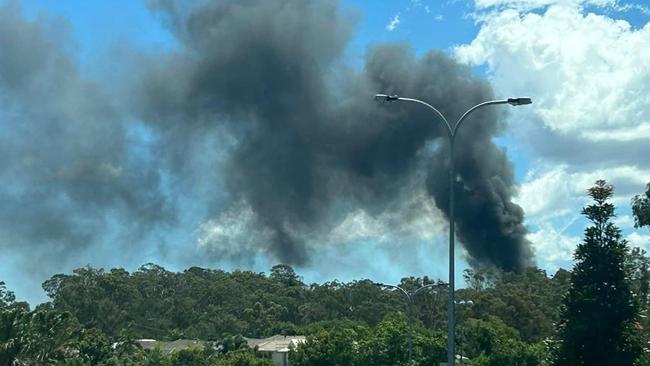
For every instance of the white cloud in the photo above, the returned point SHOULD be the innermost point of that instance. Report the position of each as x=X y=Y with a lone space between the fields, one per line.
x=393 y=23
x=553 y=247
x=624 y=222
x=589 y=75
x=547 y=195
x=639 y=240
x=535 y=4
x=553 y=198
x=552 y=192
x=644 y=9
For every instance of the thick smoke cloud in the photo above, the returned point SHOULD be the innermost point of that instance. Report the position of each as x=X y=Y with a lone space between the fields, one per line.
x=306 y=142
x=254 y=124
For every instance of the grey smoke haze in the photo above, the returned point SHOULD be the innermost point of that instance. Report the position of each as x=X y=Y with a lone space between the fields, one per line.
x=65 y=168
x=258 y=100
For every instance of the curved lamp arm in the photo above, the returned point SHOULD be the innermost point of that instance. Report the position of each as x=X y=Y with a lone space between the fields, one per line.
x=474 y=108
x=452 y=130
x=410 y=295
x=390 y=98
x=432 y=285
x=404 y=292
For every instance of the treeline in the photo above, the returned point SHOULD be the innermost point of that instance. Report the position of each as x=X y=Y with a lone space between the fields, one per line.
x=525 y=319
x=152 y=302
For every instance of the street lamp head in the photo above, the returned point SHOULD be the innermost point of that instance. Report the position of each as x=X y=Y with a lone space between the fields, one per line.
x=386 y=97
x=519 y=101
x=465 y=302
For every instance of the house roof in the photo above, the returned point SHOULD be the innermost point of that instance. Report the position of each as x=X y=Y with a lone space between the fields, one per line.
x=172 y=346
x=276 y=343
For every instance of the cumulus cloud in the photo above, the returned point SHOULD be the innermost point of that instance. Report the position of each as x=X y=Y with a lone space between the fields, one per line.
x=624 y=221
x=590 y=73
x=589 y=76
x=553 y=246
x=556 y=191
x=553 y=199
x=639 y=240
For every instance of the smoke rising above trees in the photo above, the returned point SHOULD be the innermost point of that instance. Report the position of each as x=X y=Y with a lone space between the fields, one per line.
x=257 y=98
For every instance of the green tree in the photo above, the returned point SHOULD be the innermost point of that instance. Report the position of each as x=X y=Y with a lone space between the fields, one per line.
x=285 y=274
x=528 y=301
x=638 y=266
x=243 y=358
x=190 y=356
x=493 y=343
x=388 y=344
x=599 y=317
x=93 y=346
x=10 y=335
x=7 y=297
x=43 y=336
x=332 y=347
x=641 y=209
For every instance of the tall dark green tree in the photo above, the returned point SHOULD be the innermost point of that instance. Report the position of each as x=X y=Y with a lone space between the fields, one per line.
x=641 y=209
x=599 y=325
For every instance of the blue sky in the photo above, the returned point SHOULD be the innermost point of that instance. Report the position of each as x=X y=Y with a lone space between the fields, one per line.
x=545 y=49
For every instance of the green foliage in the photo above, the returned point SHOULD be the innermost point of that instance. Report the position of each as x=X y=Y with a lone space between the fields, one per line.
x=216 y=305
x=334 y=346
x=7 y=297
x=493 y=343
x=75 y=361
x=528 y=301
x=93 y=346
x=600 y=313
x=641 y=209
x=388 y=344
x=191 y=356
x=211 y=304
x=243 y=358
x=353 y=344
x=10 y=335
x=38 y=337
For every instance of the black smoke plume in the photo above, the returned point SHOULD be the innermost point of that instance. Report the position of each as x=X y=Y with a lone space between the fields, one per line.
x=256 y=106
x=307 y=135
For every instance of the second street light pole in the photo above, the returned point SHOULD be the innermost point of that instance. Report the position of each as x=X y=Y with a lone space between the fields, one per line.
x=410 y=296
x=451 y=134
x=462 y=329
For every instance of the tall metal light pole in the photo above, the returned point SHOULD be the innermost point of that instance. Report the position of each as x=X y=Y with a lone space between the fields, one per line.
x=410 y=296
x=451 y=133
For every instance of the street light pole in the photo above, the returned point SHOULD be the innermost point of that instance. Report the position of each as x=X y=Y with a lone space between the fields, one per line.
x=451 y=134
x=462 y=329
x=410 y=296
